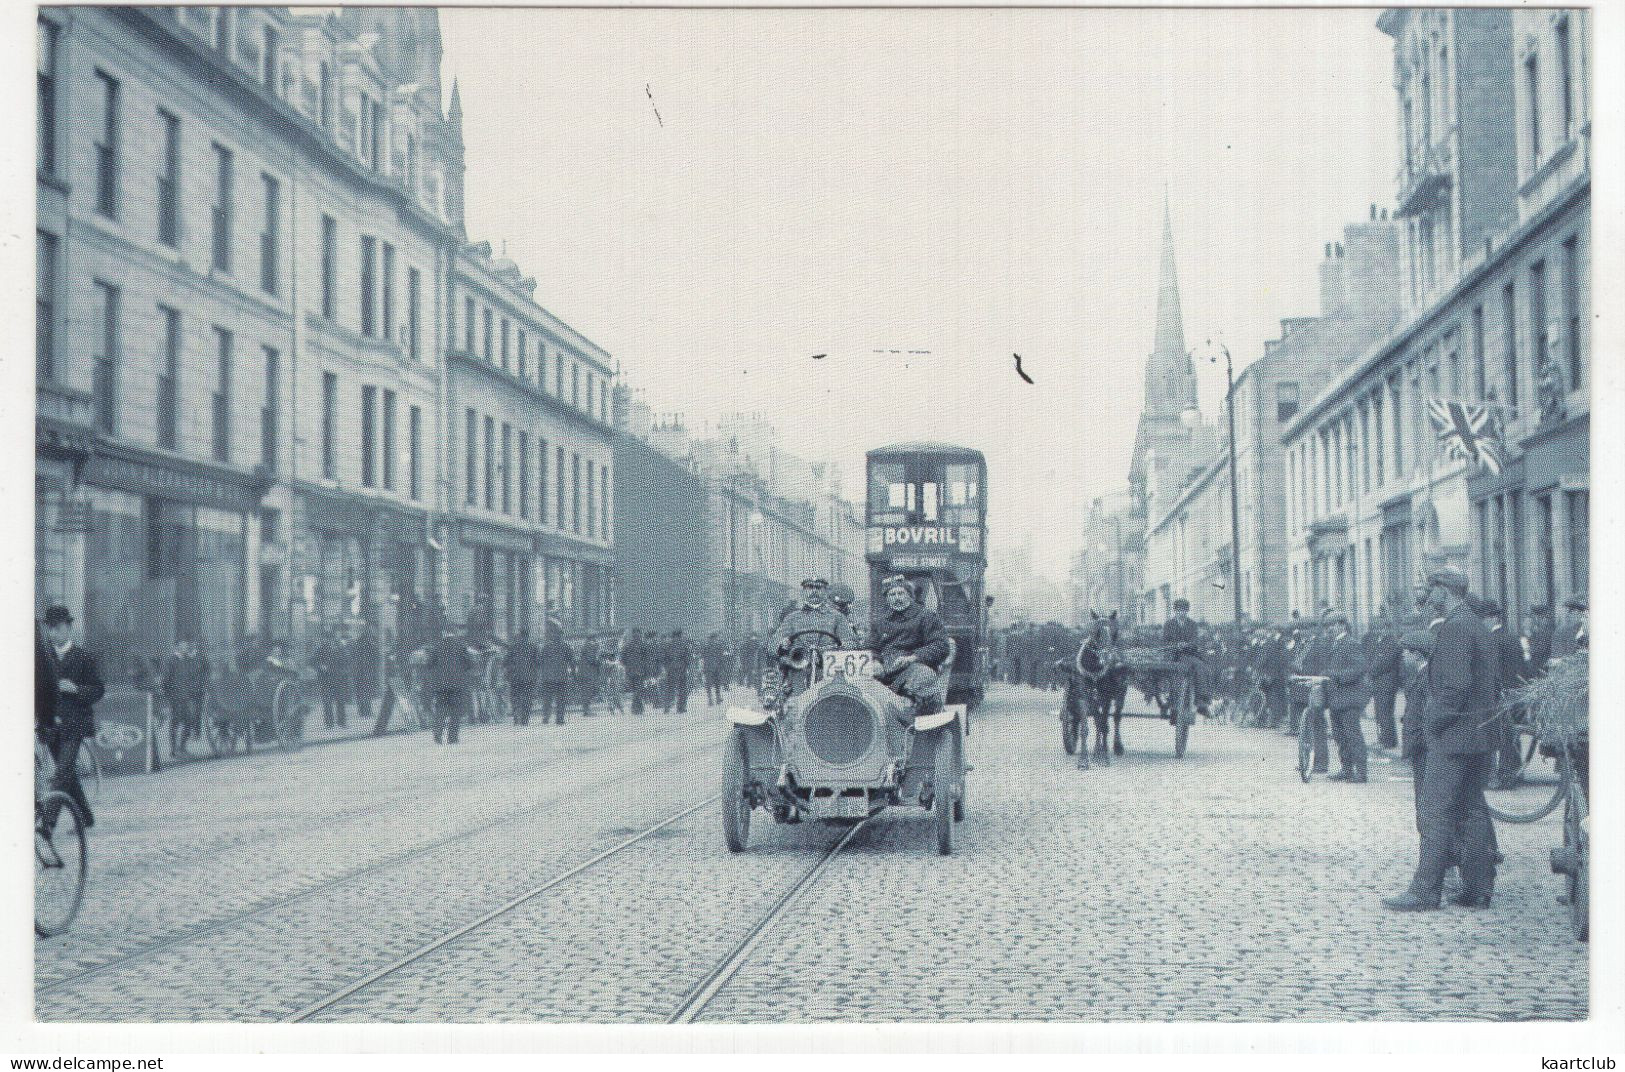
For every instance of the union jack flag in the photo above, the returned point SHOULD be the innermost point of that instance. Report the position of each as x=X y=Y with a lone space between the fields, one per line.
x=1466 y=432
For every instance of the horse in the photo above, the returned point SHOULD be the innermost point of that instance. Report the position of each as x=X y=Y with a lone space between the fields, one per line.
x=1105 y=680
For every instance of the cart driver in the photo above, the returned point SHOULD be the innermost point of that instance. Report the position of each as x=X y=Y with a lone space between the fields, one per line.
x=813 y=613
x=912 y=643
x=1183 y=639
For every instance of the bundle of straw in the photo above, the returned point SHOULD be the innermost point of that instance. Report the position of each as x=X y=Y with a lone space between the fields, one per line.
x=1558 y=701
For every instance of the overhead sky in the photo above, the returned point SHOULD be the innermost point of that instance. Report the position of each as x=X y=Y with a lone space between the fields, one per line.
x=717 y=196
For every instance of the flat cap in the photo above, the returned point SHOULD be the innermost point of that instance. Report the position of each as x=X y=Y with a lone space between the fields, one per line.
x=1453 y=579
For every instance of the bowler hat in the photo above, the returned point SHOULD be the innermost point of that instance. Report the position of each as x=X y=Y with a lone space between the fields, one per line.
x=1453 y=579
x=58 y=615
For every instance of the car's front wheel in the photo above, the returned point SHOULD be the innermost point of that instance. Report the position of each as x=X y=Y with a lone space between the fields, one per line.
x=735 y=806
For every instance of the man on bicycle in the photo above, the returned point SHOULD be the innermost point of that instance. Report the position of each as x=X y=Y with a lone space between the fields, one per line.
x=1182 y=638
x=77 y=685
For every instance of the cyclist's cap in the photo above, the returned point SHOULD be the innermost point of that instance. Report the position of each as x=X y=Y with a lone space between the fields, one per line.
x=1420 y=640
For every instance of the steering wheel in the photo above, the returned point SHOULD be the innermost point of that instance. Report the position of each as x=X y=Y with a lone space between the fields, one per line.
x=793 y=641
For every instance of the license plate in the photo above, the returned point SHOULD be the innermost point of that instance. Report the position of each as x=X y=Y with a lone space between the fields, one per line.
x=851 y=663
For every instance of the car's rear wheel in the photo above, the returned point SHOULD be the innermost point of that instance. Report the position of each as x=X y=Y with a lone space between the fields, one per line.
x=944 y=774
x=735 y=808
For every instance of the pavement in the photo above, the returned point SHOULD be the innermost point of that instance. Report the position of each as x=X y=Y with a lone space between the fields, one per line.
x=1216 y=887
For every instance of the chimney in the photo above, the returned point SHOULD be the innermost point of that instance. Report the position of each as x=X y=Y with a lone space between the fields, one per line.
x=1334 y=298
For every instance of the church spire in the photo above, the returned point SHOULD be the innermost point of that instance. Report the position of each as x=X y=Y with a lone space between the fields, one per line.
x=1170 y=382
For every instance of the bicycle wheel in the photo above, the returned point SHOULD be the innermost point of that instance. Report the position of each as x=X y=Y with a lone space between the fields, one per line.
x=89 y=766
x=61 y=863
x=288 y=708
x=1306 y=745
x=1184 y=715
x=1252 y=709
x=1543 y=785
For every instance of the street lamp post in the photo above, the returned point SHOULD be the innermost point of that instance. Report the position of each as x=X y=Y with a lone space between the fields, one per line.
x=1235 y=496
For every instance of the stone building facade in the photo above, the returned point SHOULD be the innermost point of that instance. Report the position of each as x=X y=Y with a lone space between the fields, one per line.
x=249 y=222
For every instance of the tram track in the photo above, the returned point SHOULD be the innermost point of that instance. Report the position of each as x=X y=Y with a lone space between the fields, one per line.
x=193 y=934
x=693 y=1003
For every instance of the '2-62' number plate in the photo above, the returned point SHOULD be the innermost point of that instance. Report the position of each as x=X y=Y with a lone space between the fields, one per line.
x=851 y=663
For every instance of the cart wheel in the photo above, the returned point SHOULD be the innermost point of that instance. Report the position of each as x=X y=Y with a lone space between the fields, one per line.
x=1579 y=879
x=1306 y=746
x=288 y=715
x=735 y=808
x=944 y=775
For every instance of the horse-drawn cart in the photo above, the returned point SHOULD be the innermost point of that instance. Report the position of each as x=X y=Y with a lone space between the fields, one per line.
x=1168 y=682
x=1162 y=677
x=245 y=708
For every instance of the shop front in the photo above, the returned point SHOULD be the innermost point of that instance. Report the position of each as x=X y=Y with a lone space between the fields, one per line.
x=358 y=561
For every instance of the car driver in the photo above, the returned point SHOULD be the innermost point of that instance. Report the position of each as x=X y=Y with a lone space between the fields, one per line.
x=815 y=615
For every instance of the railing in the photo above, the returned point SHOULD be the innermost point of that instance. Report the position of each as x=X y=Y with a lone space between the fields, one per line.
x=1428 y=171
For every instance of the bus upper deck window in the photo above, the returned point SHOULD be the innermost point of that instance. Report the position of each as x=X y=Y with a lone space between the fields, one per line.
x=962 y=487
x=928 y=502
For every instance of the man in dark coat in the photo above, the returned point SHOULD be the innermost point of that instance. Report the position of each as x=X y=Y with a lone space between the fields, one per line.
x=1273 y=668
x=333 y=678
x=1346 y=697
x=589 y=675
x=523 y=665
x=635 y=660
x=1312 y=660
x=912 y=644
x=1458 y=725
x=1386 y=658
x=714 y=664
x=73 y=717
x=1538 y=642
x=365 y=667
x=184 y=681
x=447 y=677
x=1511 y=672
x=1183 y=639
x=679 y=655
x=554 y=669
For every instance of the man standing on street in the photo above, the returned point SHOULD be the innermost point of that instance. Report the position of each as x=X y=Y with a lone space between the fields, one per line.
x=364 y=664
x=589 y=675
x=73 y=720
x=714 y=663
x=679 y=656
x=1458 y=727
x=333 y=678
x=447 y=677
x=1387 y=658
x=523 y=663
x=635 y=661
x=1346 y=698
x=1537 y=645
x=557 y=663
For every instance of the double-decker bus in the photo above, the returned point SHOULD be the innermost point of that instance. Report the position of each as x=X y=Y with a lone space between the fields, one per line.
x=927 y=519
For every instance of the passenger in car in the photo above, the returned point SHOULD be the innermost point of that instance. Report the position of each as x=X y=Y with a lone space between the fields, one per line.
x=912 y=645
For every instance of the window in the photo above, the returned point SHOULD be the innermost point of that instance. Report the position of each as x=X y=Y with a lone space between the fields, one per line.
x=104 y=385
x=1478 y=353
x=524 y=360
x=268 y=64
x=271 y=237
x=169 y=401
x=45 y=100
x=1579 y=503
x=558 y=375
x=1286 y=401
x=506 y=342
x=487 y=322
x=1571 y=311
x=523 y=450
x=325 y=114
x=330 y=256
x=220 y=258
x=414 y=456
x=369 y=286
x=490 y=462
x=1537 y=319
x=603 y=528
x=107 y=147
x=389 y=440
x=1509 y=341
x=222 y=29
x=1378 y=446
x=221 y=402
x=575 y=385
x=330 y=425
x=46 y=249
x=414 y=314
x=468 y=326
x=375 y=130
x=507 y=467
x=1396 y=391
x=1365 y=449
x=169 y=181
x=1531 y=77
x=558 y=483
x=270 y=412
x=541 y=480
x=369 y=432
x=592 y=499
x=575 y=493
x=1565 y=77
x=471 y=428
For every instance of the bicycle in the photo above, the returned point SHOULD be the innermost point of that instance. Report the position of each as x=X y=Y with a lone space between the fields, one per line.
x=61 y=851
x=1540 y=783
x=1306 y=724
x=1573 y=859
x=89 y=766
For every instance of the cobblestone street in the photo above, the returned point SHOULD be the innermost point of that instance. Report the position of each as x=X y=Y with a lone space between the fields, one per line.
x=1216 y=887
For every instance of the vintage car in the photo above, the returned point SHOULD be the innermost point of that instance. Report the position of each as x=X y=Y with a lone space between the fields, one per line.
x=833 y=743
